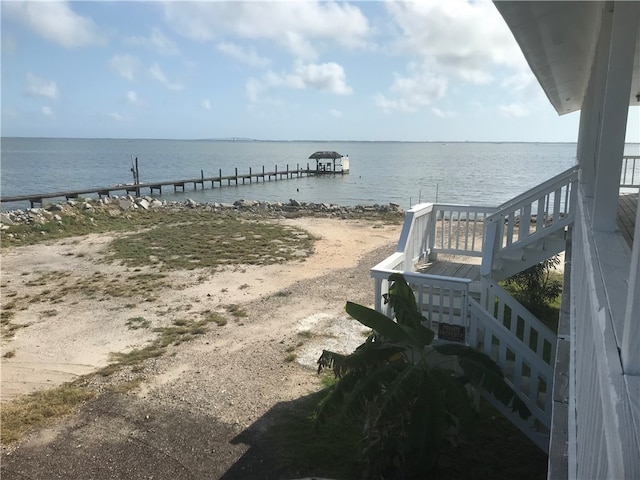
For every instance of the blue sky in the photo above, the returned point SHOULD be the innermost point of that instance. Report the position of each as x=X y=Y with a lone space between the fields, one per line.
x=445 y=70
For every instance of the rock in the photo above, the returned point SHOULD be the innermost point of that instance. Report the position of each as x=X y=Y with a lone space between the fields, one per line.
x=125 y=204
x=5 y=219
x=294 y=203
x=191 y=203
x=56 y=207
x=143 y=203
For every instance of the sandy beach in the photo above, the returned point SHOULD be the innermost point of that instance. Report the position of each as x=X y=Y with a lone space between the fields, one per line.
x=233 y=374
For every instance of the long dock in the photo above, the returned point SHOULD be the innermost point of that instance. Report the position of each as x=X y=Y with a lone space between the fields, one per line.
x=178 y=185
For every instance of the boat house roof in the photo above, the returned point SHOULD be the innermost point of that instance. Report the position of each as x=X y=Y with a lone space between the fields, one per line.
x=325 y=154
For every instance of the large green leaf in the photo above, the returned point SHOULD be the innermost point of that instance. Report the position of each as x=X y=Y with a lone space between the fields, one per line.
x=426 y=428
x=334 y=402
x=379 y=322
x=368 y=388
x=402 y=391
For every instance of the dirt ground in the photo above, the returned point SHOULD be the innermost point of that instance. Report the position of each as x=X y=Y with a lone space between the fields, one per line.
x=200 y=409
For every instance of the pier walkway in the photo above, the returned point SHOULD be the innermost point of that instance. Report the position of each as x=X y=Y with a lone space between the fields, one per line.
x=156 y=187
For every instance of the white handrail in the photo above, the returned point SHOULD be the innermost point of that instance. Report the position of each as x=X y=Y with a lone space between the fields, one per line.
x=630 y=175
x=459 y=229
x=545 y=209
x=442 y=300
x=515 y=317
x=528 y=374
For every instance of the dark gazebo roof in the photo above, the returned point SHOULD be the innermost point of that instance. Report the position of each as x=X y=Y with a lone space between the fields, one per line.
x=325 y=154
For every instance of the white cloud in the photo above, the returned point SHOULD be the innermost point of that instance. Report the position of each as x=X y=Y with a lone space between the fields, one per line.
x=47 y=111
x=457 y=37
x=39 y=87
x=125 y=65
x=55 y=21
x=248 y=56
x=156 y=40
x=335 y=113
x=299 y=27
x=514 y=110
x=442 y=113
x=133 y=98
x=157 y=73
x=117 y=117
x=411 y=92
x=206 y=104
x=326 y=77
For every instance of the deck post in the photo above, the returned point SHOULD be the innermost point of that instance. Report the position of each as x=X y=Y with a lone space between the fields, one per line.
x=250 y=177
x=615 y=110
x=276 y=173
x=630 y=354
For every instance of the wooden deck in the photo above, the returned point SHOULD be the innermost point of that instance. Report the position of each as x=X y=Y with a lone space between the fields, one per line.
x=453 y=266
x=627 y=207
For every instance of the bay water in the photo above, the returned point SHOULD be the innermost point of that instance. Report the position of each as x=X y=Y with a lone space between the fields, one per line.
x=380 y=172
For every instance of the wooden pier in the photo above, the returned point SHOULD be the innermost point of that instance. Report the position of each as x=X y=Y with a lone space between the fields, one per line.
x=178 y=185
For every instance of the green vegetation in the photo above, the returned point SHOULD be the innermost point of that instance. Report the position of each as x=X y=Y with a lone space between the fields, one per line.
x=207 y=241
x=297 y=449
x=539 y=290
x=236 y=310
x=409 y=395
x=136 y=323
x=172 y=238
x=39 y=409
x=181 y=330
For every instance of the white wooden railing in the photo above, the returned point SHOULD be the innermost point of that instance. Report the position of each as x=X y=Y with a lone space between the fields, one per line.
x=545 y=209
x=443 y=300
x=630 y=175
x=527 y=373
x=458 y=229
x=518 y=320
x=446 y=301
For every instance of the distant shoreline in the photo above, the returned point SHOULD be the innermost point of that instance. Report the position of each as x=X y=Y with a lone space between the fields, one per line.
x=257 y=140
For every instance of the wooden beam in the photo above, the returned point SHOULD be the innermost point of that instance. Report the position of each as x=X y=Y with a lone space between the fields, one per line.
x=613 y=127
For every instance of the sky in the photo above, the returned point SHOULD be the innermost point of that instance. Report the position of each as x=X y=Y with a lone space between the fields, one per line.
x=442 y=70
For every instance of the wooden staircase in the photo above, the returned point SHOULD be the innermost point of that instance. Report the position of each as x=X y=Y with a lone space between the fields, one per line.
x=517 y=235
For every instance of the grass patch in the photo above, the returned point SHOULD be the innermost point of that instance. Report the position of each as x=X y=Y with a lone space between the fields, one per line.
x=9 y=328
x=9 y=354
x=198 y=239
x=136 y=323
x=38 y=409
x=236 y=310
x=305 y=333
x=290 y=357
x=215 y=317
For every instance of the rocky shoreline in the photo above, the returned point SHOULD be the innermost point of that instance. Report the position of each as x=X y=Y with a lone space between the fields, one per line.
x=116 y=205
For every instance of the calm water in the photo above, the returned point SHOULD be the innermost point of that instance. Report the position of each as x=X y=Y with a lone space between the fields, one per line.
x=381 y=172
